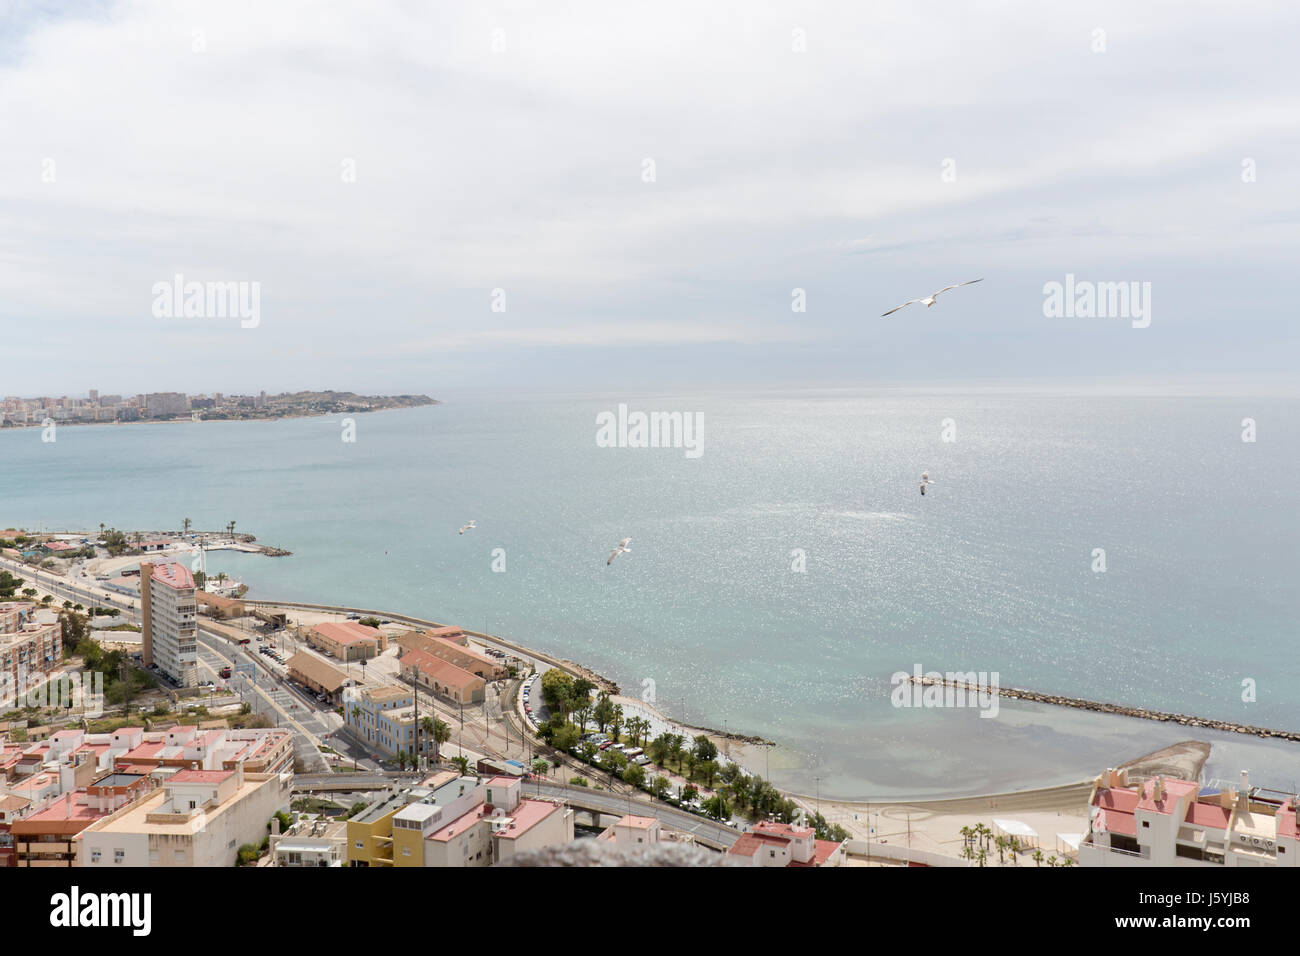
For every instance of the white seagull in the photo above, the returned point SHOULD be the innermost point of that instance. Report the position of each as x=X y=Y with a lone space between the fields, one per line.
x=929 y=299
x=621 y=549
x=925 y=480
x=468 y=527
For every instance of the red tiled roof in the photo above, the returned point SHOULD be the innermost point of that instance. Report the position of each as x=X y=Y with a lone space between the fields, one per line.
x=1116 y=821
x=348 y=632
x=1115 y=798
x=822 y=851
x=1208 y=815
x=440 y=670
x=747 y=845
x=1173 y=790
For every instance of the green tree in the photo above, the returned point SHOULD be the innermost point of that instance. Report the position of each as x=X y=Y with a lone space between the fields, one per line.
x=565 y=737
x=705 y=749
x=557 y=691
x=634 y=775
x=660 y=786
x=716 y=807
x=603 y=712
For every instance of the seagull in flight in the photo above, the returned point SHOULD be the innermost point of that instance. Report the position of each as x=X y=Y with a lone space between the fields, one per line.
x=469 y=527
x=929 y=299
x=621 y=549
x=925 y=480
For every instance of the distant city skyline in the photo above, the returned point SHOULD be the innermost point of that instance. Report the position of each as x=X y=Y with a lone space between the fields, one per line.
x=420 y=199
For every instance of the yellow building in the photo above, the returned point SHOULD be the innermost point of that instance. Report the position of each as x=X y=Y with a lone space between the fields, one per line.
x=370 y=834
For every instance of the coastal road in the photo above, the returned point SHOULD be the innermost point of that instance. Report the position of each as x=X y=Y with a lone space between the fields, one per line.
x=268 y=696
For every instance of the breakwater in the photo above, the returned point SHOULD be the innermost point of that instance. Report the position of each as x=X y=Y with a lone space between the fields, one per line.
x=1105 y=708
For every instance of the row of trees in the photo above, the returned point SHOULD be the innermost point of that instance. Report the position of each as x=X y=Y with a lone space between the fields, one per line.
x=979 y=840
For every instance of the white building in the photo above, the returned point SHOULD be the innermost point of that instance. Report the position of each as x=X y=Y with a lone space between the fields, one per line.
x=197 y=818
x=170 y=621
x=1172 y=822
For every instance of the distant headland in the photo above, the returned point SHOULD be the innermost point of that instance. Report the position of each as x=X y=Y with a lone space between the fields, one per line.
x=177 y=406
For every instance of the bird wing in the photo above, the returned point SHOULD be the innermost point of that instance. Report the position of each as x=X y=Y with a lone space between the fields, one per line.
x=625 y=542
x=958 y=285
x=903 y=306
x=612 y=556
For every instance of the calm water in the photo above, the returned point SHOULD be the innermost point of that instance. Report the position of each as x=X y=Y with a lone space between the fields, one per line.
x=992 y=570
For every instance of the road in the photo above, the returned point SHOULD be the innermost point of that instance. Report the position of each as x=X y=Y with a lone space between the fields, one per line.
x=270 y=695
x=708 y=832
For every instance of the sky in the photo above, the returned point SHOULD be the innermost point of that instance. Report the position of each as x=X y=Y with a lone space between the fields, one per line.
x=588 y=194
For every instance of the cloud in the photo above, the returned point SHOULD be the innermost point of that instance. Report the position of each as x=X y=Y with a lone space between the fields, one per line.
x=214 y=138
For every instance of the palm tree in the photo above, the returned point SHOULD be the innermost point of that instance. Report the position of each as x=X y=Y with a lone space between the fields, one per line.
x=185 y=526
x=231 y=528
x=1051 y=861
x=356 y=719
x=462 y=764
x=1002 y=847
x=1038 y=858
x=675 y=742
x=983 y=856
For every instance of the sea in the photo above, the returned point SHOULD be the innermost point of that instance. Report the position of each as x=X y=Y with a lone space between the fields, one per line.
x=1127 y=546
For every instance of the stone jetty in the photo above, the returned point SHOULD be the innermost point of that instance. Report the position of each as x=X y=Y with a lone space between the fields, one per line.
x=1104 y=708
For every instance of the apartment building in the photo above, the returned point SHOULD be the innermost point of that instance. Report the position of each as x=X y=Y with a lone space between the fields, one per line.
x=257 y=750
x=169 y=621
x=781 y=844
x=197 y=818
x=1166 y=821
x=29 y=648
x=384 y=718
x=488 y=824
x=158 y=404
x=47 y=837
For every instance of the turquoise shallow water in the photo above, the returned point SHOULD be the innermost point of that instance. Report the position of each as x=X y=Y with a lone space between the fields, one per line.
x=991 y=571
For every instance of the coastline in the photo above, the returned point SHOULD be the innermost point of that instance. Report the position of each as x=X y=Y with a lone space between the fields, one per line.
x=17 y=426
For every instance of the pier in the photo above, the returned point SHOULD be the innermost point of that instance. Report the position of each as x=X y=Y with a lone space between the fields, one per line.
x=1104 y=708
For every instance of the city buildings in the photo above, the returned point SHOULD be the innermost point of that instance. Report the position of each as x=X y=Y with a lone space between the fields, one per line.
x=384 y=719
x=462 y=821
x=165 y=404
x=442 y=677
x=780 y=844
x=347 y=640
x=318 y=676
x=196 y=818
x=447 y=649
x=310 y=843
x=47 y=837
x=169 y=621
x=1166 y=821
x=631 y=830
x=31 y=645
